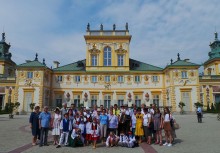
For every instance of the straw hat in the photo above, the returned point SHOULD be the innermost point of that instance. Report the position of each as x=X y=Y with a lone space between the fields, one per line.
x=57 y=109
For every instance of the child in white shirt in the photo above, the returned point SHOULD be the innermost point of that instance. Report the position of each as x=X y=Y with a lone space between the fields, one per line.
x=112 y=140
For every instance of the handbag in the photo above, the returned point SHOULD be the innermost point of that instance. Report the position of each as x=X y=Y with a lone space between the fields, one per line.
x=176 y=126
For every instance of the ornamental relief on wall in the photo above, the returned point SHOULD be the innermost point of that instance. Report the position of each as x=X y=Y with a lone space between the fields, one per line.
x=86 y=78
x=114 y=79
x=129 y=80
x=146 y=79
x=68 y=80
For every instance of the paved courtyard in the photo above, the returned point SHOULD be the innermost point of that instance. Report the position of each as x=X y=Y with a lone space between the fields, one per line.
x=192 y=137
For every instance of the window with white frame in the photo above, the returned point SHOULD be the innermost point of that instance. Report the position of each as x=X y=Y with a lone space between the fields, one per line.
x=77 y=100
x=94 y=100
x=29 y=75
x=120 y=79
x=107 y=101
x=120 y=100
x=94 y=60
x=107 y=56
x=137 y=78
x=107 y=78
x=137 y=101
x=94 y=79
x=156 y=100
x=59 y=78
x=155 y=78
x=77 y=78
x=120 y=60
x=184 y=74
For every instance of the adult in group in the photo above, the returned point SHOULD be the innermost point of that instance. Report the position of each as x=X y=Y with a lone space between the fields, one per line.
x=133 y=122
x=56 y=125
x=116 y=111
x=113 y=122
x=64 y=110
x=147 y=126
x=139 y=132
x=94 y=112
x=44 y=125
x=73 y=108
x=199 y=114
x=158 y=126
x=122 y=119
x=103 y=125
x=128 y=119
x=167 y=127
x=34 y=125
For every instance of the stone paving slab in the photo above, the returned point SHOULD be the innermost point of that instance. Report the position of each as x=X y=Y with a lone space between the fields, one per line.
x=192 y=137
x=10 y=135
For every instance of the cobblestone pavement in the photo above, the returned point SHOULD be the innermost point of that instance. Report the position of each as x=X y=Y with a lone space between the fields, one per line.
x=192 y=137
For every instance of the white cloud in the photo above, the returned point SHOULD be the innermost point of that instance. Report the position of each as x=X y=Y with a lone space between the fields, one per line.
x=159 y=28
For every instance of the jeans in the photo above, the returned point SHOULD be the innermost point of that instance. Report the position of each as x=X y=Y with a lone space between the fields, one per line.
x=199 y=116
x=43 y=136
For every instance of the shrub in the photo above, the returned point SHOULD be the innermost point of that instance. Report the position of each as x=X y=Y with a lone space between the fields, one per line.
x=198 y=104
x=212 y=108
x=208 y=108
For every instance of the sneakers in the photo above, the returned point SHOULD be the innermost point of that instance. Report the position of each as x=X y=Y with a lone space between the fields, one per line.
x=169 y=145
x=58 y=146
x=165 y=144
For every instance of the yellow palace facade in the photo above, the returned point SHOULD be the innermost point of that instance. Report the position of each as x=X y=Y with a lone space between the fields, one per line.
x=108 y=76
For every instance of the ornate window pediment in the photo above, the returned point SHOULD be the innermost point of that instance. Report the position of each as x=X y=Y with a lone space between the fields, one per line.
x=120 y=50
x=94 y=50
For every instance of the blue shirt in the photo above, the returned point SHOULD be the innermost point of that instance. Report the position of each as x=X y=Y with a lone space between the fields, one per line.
x=103 y=119
x=45 y=119
x=113 y=121
x=199 y=110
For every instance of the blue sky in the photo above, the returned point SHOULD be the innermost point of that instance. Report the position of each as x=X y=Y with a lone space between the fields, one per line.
x=159 y=28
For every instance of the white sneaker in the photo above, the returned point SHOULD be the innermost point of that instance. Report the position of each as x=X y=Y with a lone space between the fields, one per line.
x=169 y=145
x=165 y=144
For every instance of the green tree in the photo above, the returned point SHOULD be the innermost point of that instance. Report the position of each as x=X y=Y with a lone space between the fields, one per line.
x=32 y=105
x=208 y=108
x=181 y=105
x=212 y=108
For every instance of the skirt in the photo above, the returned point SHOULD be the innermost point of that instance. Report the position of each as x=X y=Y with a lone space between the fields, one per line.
x=88 y=137
x=94 y=138
x=167 y=126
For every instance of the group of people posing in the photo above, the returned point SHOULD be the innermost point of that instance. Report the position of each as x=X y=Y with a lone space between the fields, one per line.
x=114 y=126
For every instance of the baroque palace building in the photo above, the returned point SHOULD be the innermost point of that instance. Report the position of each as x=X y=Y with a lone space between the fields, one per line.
x=109 y=76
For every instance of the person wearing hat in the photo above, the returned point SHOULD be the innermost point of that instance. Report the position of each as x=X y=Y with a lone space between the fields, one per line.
x=76 y=138
x=56 y=118
x=131 y=140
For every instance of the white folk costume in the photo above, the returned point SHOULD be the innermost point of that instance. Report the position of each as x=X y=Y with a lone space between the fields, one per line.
x=94 y=131
x=76 y=139
x=88 y=132
x=123 y=140
x=111 y=138
x=65 y=127
x=130 y=142
x=80 y=121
